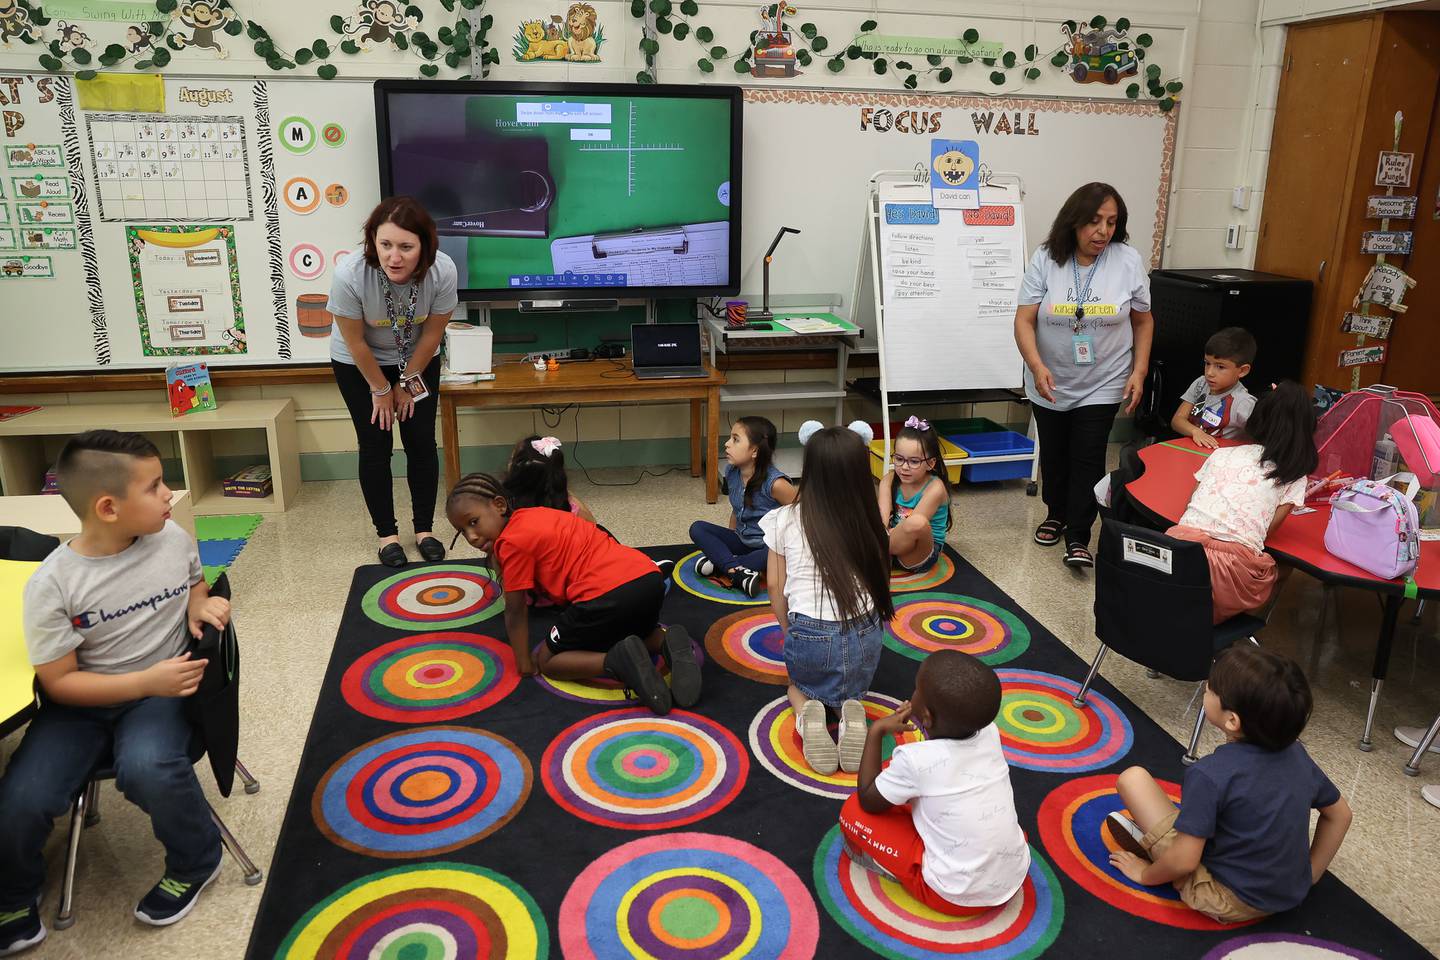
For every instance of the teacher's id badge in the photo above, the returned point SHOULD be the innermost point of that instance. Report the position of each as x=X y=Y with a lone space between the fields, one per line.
x=1084 y=349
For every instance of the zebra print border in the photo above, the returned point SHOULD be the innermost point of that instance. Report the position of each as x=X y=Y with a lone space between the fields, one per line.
x=70 y=133
x=121 y=216
x=264 y=136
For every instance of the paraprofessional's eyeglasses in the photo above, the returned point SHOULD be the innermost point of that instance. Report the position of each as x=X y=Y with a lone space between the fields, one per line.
x=910 y=462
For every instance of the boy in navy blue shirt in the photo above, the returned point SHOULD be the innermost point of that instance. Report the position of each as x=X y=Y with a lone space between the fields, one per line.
x=1238 y=847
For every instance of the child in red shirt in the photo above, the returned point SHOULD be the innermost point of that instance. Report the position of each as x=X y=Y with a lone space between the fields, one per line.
x=611 y=595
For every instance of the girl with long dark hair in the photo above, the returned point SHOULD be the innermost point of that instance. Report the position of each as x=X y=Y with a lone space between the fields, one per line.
x=829 y=585
x=1244 y=493
x=1083 y=326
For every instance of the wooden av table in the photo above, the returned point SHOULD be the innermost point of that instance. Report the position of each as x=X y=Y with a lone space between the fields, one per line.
x=591 y=381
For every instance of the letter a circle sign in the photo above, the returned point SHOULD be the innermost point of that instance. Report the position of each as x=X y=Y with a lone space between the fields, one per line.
x=297 y=135
x=302 y=194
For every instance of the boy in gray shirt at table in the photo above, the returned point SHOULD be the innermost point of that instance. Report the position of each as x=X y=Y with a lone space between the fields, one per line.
x=1217 y=405
x=108 y=617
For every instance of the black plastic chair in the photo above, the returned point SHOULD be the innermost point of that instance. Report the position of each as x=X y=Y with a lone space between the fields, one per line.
x=221 y=742
x=1153 y=606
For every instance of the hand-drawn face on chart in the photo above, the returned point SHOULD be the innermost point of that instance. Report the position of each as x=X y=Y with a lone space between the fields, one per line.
x=954 y=167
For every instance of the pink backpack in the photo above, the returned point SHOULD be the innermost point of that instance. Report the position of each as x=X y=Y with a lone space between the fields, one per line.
x=1375 y=527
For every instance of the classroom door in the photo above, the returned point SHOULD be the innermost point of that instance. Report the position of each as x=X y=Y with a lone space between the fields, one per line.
x=1317 y=113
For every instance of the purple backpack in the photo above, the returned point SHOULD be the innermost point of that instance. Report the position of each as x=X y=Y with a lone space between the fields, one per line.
x=1375 y=527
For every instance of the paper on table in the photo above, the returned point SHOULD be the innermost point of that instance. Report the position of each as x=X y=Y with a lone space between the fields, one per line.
x=809 y=325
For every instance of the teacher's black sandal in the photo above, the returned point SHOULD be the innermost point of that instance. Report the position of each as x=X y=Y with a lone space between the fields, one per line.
x=1048 y=533
x=431 y=549
x=392 y=555
x=1077 y=557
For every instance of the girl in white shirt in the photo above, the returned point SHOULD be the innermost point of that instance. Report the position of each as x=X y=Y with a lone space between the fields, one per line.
x=828 y=577
x=1244 y=493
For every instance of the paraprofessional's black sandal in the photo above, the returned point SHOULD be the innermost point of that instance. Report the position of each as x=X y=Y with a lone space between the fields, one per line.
x=1048 y=533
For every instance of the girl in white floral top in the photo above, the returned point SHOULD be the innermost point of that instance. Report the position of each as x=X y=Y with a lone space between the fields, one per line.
x=1244 y=493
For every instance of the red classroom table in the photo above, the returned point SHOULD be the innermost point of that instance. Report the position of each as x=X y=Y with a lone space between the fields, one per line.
x=1164 y=489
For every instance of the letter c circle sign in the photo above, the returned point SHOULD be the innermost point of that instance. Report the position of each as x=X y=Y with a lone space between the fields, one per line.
x=306 y=261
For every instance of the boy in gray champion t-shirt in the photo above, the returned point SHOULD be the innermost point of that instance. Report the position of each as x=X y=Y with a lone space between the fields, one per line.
x=107 y=618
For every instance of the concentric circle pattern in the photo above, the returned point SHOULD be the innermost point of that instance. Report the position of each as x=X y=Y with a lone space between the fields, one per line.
x=903 y=581
x=1283 y=946
x=691 y=582
x=778 y=748
x=926 y=622
x=688 y=896
x=883 y=917
x=441 y=597
x=421 y=792
x=632 y=770
x=1071 y=823
x=430 y=677
x=1042 y=729
x=602 y=690
x=432 y=911
x=750 y=644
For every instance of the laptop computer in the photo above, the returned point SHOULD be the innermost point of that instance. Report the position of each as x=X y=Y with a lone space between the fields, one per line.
x=666 y=351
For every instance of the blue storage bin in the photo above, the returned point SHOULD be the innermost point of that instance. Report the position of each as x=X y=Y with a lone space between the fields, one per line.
x=1001 y=443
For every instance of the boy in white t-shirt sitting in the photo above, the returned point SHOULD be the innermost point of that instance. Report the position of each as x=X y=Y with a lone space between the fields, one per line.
x=108 y=617
x=958 y=843
x=1217 y=405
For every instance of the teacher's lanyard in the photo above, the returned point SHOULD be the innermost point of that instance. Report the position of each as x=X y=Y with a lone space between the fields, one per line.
x=403 y=332
x=1082 y=294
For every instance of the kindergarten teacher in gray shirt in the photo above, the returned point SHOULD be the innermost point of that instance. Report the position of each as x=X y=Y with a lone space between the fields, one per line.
x=1084 y=328
x=391 y=302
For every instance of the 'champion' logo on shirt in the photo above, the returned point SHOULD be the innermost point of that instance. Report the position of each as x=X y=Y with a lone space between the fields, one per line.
x=93 y=618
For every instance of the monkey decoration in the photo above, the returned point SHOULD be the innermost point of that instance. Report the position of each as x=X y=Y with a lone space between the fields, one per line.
x=137 y=37
x=14 y=21
x=71 y=37
x=378 y=20
x=205 y=19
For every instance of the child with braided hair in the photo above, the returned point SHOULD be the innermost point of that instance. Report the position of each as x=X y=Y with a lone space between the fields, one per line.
x=610 y=595
x=537 y=469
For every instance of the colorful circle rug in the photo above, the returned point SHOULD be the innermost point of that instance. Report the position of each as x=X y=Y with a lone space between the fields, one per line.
x=926 y=622
x=705 y=588
x=883 y=917
x=1071 y=829
x=603 y=691
x=1283 y=946
x=778 y=748
x=633 y=770
x=696 y=896
x=421 y=792
x=903 y=581
x=749 y=644
x=430 y=677
x=1042 y=729
x=429 y=911
x=441 y=597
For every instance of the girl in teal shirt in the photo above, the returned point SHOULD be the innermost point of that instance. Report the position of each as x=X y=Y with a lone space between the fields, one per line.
x=915 y=497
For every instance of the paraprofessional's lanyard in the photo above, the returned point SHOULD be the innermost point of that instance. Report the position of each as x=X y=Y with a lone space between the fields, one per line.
x=1082 y=293
x=402 y=331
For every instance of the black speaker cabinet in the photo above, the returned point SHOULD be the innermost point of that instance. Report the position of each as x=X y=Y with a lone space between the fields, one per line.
x=1190 y=305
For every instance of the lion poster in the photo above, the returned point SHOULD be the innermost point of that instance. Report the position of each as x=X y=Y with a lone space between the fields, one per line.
x=576 y=38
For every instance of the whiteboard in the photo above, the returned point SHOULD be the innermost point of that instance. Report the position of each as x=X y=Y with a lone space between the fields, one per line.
x=86 y=314
x=948 y=284
x=809 y=155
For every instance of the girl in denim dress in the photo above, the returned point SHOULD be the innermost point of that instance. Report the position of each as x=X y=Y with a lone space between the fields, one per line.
x=829 y=582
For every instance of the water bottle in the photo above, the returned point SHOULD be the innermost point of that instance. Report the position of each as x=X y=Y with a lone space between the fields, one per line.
x=1386 y=459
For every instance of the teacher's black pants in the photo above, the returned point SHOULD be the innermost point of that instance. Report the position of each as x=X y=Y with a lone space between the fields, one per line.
x=1072 y=461
x=417 y=434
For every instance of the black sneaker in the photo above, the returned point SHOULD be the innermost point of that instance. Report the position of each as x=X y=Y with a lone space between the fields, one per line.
x=629 y=663
x=684 y=671
x=170 y=900
x=705 y=567
x=1127 y=834
x=747 y=580
x=20 y=930
x=667 y=570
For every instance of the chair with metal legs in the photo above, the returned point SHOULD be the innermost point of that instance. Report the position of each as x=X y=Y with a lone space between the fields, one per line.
x=1153 y=606
x=85 y=812
x=1412 y=768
